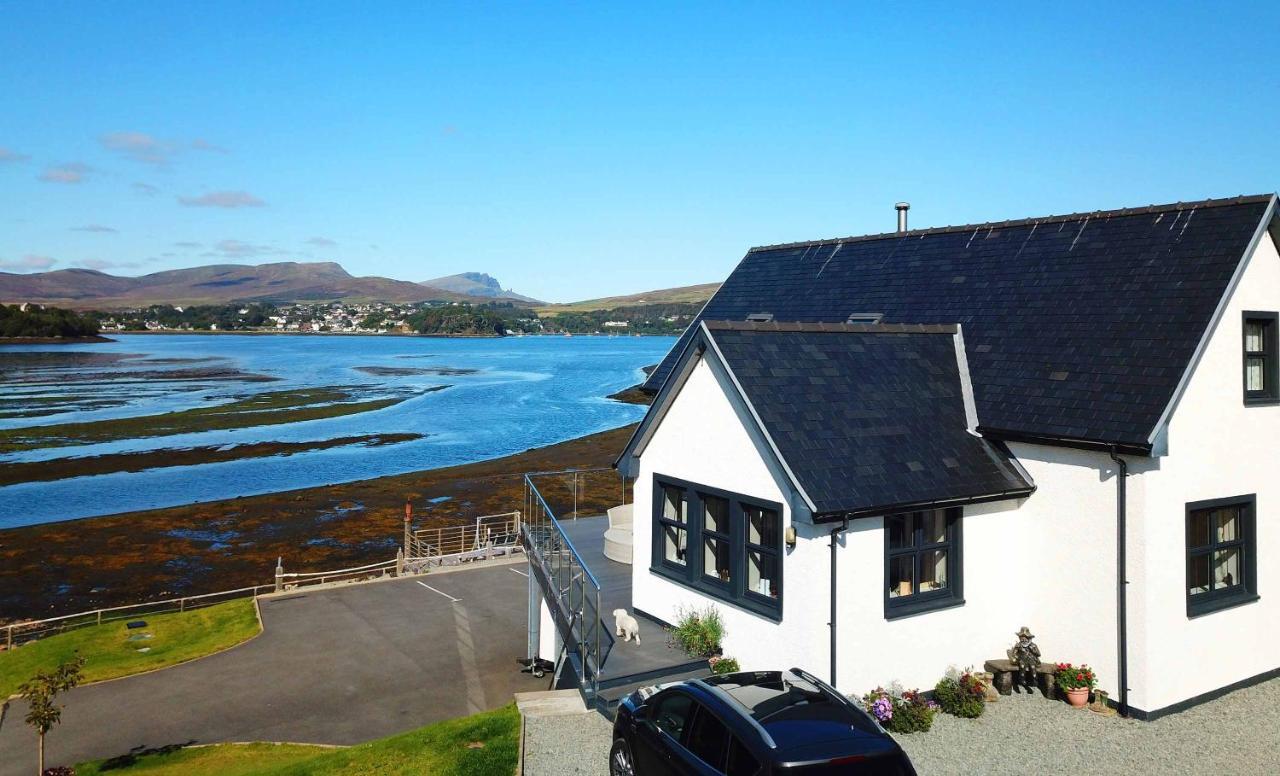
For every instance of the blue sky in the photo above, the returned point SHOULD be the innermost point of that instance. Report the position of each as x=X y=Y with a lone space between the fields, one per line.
x=576 y=151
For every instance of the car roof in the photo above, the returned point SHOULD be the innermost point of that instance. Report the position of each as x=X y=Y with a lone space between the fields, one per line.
x=794 y=709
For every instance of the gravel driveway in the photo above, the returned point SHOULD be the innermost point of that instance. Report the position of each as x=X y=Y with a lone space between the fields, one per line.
x=1237 y=734
x=1021 y=734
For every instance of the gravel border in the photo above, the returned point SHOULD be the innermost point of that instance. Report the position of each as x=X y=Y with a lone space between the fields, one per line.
x=1027 y=734
x=568 y=744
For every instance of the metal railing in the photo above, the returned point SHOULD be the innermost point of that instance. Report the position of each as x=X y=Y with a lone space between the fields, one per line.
x=19 y=633
x=569 y=588
x=576 y=492
x=485 y=537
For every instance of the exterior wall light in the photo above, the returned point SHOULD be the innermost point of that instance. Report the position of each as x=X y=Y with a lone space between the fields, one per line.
x=789 y=536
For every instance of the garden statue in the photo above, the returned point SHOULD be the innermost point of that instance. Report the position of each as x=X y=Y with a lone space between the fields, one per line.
x=1025 y=656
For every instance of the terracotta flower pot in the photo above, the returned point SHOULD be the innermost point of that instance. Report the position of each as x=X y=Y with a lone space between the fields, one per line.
x=1078 y=696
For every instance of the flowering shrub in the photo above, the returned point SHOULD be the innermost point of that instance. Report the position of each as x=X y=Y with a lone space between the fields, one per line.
x=1075 y=677
x=724 y=665
x=898 y=710
x=698 y=632
x=961 y=693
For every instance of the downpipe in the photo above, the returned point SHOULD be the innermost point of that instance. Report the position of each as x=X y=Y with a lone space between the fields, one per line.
x=835 y=544
x=1122 y=582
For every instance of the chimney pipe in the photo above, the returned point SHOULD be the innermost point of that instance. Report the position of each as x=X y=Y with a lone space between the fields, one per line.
x=902 y=208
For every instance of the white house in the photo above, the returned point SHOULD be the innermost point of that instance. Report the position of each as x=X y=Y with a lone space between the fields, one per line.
x=1068 y=423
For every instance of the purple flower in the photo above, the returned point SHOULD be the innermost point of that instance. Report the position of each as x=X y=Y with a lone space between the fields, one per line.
x=882 y=708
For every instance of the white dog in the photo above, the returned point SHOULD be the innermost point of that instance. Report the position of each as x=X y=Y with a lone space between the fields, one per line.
x=625 y=625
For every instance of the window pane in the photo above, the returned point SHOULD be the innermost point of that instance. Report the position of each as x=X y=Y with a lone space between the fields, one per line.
x=1227 y=522
x=902 y=576
x=673 y=542
x=708 y=739
x=934 y=524
x=715 y=558
x=672 y=713
x=900 y=534
x=1226 y=568
x=741 y=763
x=1198 y=529
x=1198 y=574
x=933 y=570
x=717 y=514
x=1255 y=370
x=1255 y=336
x=674 y=506
x=762 y=573
x=762 y=526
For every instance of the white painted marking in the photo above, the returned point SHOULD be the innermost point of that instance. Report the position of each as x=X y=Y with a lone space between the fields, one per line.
x=521 y=573
x=432 y=589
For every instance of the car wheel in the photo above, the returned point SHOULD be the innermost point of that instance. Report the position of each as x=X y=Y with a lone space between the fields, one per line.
x=621 y=763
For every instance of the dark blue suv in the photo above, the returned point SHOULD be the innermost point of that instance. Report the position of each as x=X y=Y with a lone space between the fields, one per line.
x=750 y=724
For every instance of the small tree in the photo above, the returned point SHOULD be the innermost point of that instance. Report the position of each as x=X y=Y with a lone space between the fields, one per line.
x=39 y=693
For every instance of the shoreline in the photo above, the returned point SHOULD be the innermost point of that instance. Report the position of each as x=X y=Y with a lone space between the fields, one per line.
x=82 y=564
x=53 y=340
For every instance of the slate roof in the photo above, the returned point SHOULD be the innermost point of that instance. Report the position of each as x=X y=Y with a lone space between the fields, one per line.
x=1077 y=327
x=869 y=419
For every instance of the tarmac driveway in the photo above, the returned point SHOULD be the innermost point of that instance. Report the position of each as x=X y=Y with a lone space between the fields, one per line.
x=336 y=666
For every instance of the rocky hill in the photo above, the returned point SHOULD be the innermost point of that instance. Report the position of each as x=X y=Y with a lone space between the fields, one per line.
x=477 y=284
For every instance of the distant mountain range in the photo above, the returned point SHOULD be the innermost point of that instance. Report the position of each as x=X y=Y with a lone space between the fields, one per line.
x=281 y=282
x=477 y=284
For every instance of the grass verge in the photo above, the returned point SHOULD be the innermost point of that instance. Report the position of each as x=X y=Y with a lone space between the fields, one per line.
x=109 y=653
x=484 y=744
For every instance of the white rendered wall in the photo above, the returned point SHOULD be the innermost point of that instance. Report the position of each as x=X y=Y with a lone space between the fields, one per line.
x=1217 y=447
x=706 y=439
x=1019 y=565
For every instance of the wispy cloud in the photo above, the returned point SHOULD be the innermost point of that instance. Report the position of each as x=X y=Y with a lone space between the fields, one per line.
x=200 y=144
x=145 y=189
x=321 y=242
x=29 y=262
x=223 y=199
x=98 y=228
x=139 y=147
x=9 y=155
x=71 y=172
x=187 y=245
x=238 y=249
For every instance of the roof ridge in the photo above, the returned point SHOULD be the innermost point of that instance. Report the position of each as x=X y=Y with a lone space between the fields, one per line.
x=818 y=327
x=1052 y=219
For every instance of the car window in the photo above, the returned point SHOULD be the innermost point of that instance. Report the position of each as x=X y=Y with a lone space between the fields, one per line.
x=672 y=713
x=741 y=763
x=708 y=738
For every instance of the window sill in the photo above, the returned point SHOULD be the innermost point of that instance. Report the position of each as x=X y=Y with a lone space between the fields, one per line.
x=1262 y=401
x=1213 y=607
x=717 y=591
x=924 y=607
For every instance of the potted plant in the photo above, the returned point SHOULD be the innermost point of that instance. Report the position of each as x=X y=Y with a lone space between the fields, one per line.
x=723 y=665
x=1076 y=682
x=698 y=632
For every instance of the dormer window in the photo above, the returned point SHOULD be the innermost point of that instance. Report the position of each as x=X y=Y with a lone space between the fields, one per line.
x=1261 y=364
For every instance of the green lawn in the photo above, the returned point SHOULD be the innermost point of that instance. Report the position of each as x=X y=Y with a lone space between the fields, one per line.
x=108 y=652
x=482 y=745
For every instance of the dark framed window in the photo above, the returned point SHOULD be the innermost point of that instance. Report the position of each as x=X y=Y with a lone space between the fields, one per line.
x=923 y=566
x=673 y=527
x=1221 y=554
x=1261 y=360
x=738 y=541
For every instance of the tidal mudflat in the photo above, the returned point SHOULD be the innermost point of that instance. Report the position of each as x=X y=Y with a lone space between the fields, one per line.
x=100 y=422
